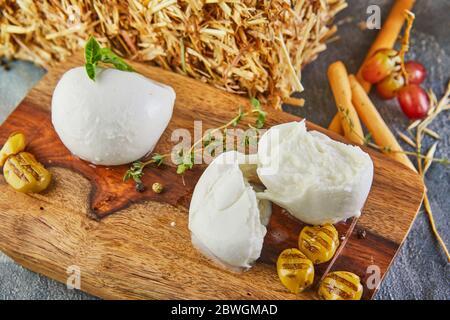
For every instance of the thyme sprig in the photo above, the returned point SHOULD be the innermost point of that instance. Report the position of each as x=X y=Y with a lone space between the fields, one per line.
x=261 y=115
x=186 y=158
x=136 y=170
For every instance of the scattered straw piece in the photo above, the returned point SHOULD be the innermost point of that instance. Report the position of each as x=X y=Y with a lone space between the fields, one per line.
x=441 y=242
x=413 y=125
x=428 y=158
x=295 y=102
x=407 y=139
x=432 y=133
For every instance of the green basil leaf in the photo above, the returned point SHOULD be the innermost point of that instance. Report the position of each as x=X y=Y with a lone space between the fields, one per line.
x=90 y=70
x=94 y=53
x=91 y=51
x=107 y=56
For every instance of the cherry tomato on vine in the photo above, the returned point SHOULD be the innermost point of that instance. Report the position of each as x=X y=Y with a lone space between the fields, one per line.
x=416 y=72
x=387 y=89
x=380 y=65
x=414 y=101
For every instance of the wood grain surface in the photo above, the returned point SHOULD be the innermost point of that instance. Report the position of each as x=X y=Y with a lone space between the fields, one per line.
x=137 y=245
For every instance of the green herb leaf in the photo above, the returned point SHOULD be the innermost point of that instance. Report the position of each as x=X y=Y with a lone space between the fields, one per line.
x=158 y=159
x=367 y=139
x=238 y=118
x=107 y=56
x=90 y=70
x=91 y=50
x=208 y=139
x=261 y=120
x=261 y=115
x=213 y=146
x=94 y=54
x=255 y=103
x=136 y=172
x=181 y=168
x=187 y=163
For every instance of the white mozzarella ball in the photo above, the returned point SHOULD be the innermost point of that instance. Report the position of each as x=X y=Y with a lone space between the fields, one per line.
x=114 y=120
x=226 y=218
x=316 y=179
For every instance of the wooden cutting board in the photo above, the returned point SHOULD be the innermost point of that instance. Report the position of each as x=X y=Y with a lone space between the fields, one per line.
x=137 y=245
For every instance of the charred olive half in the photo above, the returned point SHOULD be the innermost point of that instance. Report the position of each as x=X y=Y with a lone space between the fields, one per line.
x=319 y=243
x=25 y=174
x=295 y=270
x=16 y=143
x=341 y=285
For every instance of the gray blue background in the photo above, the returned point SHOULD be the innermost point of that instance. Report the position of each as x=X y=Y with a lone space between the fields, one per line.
x=420 y=270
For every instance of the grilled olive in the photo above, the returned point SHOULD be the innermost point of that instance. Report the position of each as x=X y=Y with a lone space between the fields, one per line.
x=25 y=174
x=15 y=144
x=295 y=270
x=341 y=285
x=319 y=243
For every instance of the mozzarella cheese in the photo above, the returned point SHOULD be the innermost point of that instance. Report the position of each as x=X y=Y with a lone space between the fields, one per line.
x=226 y=218
x=316 y=179
x=115 y=120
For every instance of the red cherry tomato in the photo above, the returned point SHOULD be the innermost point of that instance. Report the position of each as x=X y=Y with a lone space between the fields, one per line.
x=380 y=65
x=388 y=88
x=414 y=101
x=416 y=72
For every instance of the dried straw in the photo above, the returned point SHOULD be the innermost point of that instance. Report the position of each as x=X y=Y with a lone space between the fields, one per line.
x=248 y=47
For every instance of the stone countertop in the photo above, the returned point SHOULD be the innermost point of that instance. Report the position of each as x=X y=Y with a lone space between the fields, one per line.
x=420 y=270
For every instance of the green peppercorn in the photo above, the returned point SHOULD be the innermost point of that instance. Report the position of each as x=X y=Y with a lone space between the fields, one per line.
x=157 y=187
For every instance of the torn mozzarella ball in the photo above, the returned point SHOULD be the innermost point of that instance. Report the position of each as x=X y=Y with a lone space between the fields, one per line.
x=226 y=219
x=316 y=179
x=116 y=119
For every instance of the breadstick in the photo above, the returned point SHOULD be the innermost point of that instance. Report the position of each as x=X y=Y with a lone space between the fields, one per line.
x=338 y=78
x=336 y=125
x=375 y=123
x=388 y=34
